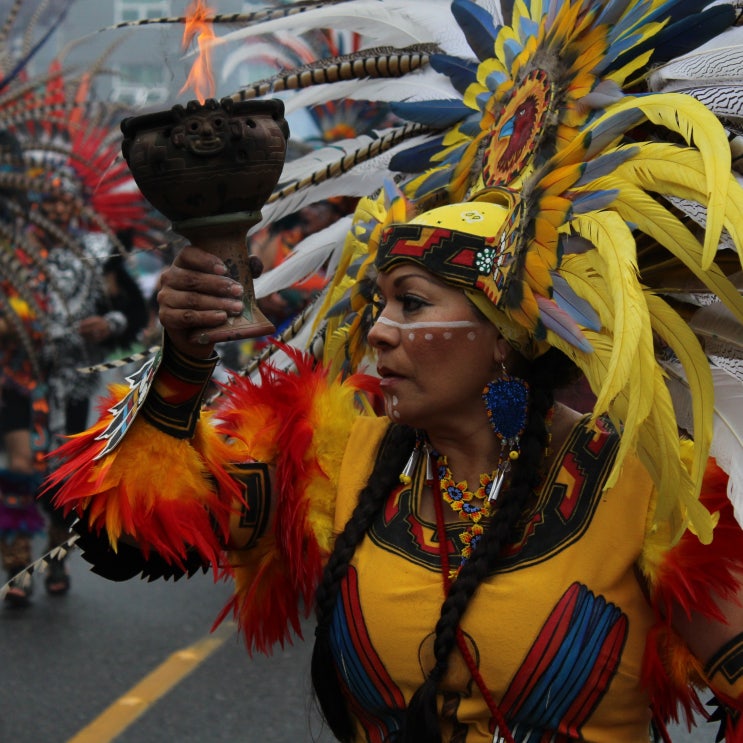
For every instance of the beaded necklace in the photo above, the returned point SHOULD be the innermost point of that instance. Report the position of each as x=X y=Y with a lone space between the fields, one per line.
x=470 y=506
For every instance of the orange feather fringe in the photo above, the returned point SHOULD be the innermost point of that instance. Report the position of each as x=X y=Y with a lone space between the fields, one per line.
x=169 y=495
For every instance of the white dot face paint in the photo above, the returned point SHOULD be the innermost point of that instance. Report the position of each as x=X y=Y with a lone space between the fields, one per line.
x=421 y=362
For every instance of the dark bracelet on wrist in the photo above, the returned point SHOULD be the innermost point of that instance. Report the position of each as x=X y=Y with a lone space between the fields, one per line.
x=174 y=401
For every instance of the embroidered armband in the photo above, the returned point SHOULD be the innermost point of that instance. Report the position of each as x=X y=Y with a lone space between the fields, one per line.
x=249 y=520
x=725 y=669
x=174 y=402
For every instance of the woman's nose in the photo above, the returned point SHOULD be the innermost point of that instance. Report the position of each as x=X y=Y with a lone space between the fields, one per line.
x=384 y=332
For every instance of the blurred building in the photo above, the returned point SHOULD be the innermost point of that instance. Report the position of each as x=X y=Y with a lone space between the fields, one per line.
x=143 y=66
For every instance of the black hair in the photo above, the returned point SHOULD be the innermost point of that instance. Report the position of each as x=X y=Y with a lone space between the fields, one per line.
x=421 y=725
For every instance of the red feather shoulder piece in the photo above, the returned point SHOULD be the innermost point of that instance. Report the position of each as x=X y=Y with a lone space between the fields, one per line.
x=299 y=422
x=165 y=493
x=690 y=577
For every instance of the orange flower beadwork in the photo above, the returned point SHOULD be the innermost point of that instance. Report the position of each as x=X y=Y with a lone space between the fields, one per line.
x=471 y=506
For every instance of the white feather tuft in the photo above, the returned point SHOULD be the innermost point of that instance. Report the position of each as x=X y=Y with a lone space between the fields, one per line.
x=719 y=60
x=421 y=85
x=306 y=259
x=361 y=180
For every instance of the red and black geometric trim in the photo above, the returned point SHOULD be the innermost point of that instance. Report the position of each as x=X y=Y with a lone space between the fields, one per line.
x=249 y=524
x=450 y=254
x=561 y=516
x=173 y=403
x=727 y=661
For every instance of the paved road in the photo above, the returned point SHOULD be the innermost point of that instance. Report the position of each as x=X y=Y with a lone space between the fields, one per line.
x=64 y=661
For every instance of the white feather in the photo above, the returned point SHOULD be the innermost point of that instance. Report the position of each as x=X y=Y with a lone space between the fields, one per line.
x=716 y=323
x=307 y=257
x=727 y=438
x=719 y=60
x=321 y=158
x=255 y=51
x=422 y=85
x=324 y=157
x=390 y=23
x=354 y=183
x=361 y=180
x=698 y=213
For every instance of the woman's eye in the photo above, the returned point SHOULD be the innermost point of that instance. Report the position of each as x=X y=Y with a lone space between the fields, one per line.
x=411 y=303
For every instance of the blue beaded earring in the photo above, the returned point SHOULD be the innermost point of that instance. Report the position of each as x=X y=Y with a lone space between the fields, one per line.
x=506 y=403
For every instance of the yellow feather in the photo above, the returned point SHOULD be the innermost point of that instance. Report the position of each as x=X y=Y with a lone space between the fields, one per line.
x=584 y=280
x=615 y=248
x=676 y=333
x=536 y=272
x=658 y=448
x=526 y=313
x=698 y=125
x=638 y=63
x=652 y=218
x=664 y=168
x=560 y=179
x=545 y=241
x=333 y=412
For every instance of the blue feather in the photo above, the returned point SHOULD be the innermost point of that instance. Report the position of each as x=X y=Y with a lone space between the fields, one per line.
x=494 y=79
x=560 y=322
x=461 y=72
x=528 y=27
x=478 y=27
x=511 y=50
x=471 y=127
x=437 y=179
x=577 y=307
x=601 y=135
x=440 y=114
x=416 y=159
x=606 y=164
x=593 y=201
x=679 y=38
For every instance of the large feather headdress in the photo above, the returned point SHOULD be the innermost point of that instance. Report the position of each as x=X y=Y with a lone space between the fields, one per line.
x=623 y=210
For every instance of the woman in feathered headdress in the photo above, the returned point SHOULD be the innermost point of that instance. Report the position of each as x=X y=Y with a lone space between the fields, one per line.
x=485 y=562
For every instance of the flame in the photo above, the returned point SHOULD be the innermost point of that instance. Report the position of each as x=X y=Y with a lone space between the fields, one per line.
x=198 y=26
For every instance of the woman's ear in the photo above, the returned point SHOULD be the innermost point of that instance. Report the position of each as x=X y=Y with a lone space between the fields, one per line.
x=501 y=350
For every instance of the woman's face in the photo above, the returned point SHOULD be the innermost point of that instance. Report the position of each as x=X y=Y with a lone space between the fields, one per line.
x=435 y=353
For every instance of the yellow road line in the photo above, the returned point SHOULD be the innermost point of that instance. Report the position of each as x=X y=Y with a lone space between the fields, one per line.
x=125 y=710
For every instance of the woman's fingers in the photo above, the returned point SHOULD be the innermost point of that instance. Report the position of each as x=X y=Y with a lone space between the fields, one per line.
x=196 y=294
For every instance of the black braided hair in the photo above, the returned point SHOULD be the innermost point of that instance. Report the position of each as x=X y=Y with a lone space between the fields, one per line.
x=422 y=723
x=394 y=451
